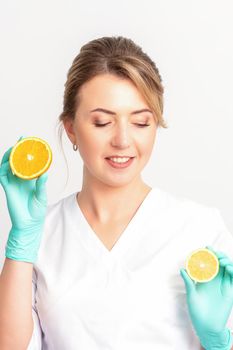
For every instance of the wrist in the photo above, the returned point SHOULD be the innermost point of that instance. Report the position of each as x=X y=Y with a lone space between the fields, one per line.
x=26 y=231
x=23 y=245
x=217 y=340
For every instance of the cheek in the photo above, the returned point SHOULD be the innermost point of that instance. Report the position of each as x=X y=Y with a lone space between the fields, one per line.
x=90 y=147
x=146 y=143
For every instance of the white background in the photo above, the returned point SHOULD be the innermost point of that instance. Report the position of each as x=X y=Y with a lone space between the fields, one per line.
x=191 y=43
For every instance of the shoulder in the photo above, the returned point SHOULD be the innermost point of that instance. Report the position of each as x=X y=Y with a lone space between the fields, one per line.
x=179 y=208
x=58 y=222
x=191 y=221
x=168 y=200
x=59 y=214
x=60 y=205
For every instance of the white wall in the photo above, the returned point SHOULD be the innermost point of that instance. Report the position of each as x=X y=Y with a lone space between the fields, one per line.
x=191 y=42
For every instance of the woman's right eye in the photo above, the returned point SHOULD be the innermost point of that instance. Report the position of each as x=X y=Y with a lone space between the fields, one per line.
x=99 y=125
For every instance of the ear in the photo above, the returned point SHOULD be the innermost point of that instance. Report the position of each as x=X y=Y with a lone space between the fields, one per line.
x=69 y=128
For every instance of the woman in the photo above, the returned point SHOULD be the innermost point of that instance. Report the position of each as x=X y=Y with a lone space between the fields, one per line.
x=105 y=261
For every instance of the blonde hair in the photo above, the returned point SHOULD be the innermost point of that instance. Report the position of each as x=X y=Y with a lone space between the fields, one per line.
x=121 y=57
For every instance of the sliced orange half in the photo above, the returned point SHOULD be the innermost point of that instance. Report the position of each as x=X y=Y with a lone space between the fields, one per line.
x=30 y=158
x=202 y=265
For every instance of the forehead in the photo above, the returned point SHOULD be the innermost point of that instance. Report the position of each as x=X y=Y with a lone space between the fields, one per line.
x=109 y=90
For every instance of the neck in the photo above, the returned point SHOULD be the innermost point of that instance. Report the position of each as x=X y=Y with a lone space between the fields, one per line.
x=105 y=203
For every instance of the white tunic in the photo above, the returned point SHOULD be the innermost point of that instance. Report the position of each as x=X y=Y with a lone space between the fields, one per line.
x=132 y=297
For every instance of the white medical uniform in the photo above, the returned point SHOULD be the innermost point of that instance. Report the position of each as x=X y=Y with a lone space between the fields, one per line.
x=86 y=297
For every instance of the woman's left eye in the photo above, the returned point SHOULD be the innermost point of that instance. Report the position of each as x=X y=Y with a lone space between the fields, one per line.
x=140 y=125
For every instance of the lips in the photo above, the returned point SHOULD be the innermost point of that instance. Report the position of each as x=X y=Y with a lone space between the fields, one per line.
x=120 y=165
x=118 y=157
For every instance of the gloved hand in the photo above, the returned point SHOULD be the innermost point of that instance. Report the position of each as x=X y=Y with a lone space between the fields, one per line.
x=210 y=304
x=27 y=205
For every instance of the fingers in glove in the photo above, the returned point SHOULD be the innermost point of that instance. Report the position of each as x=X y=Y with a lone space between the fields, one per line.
x=227 y=284
x=229 y=269
x=6 y=156
x=4 y=171
x=228 y=264
x=217 y=253
x=189 y=283
x=40 y=192
x=225 y=261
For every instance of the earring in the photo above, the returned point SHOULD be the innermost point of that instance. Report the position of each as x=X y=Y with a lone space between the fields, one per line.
x=75 y=147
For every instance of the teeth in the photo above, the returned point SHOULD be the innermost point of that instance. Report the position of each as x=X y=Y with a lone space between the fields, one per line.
x=120 y=160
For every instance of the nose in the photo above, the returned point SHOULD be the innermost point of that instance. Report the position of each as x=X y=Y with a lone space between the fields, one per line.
x=121 y=137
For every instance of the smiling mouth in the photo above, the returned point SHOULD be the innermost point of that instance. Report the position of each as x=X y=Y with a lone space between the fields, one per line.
x=119 y=157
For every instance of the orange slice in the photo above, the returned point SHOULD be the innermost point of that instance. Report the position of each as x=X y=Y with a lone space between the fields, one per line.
x=202 y=265
x=30 y=158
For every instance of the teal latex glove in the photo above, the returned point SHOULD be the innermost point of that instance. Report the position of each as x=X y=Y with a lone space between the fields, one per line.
x=210 y=304
x=27 y=205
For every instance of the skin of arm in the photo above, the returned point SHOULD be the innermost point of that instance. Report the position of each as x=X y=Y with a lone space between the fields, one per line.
x=16 y=322
x=27 y=204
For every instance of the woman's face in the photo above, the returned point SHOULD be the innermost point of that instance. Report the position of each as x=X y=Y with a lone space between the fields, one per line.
x=116 y=102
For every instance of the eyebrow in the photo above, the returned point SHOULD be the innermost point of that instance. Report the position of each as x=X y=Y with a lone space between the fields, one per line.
x=113 y=113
